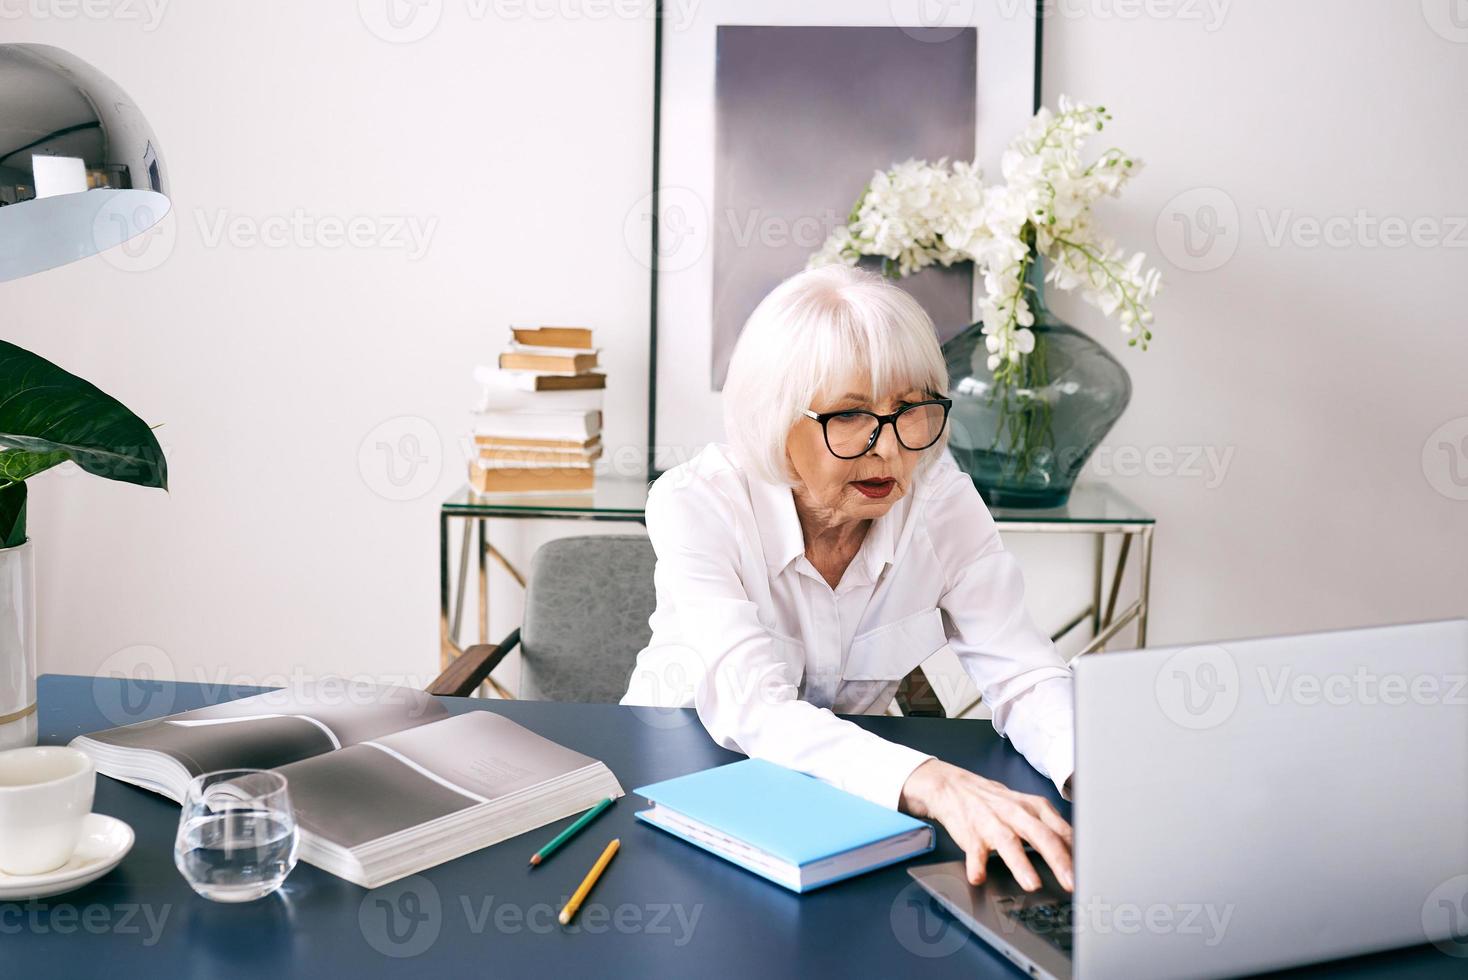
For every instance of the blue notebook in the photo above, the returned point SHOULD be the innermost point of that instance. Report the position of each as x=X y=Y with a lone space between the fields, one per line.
x=791 y=828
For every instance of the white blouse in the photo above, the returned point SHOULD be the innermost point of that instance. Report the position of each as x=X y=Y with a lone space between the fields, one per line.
x=748 y=632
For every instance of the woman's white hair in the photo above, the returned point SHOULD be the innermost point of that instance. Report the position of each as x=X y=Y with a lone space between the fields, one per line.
x=812 y=332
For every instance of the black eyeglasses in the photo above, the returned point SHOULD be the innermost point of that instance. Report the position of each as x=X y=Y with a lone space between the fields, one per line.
x=853 y=432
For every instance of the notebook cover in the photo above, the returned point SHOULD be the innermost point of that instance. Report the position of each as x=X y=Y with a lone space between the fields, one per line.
x=794 y=817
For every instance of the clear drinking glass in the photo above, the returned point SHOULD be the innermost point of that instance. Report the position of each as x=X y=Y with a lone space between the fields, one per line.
x=237 y=836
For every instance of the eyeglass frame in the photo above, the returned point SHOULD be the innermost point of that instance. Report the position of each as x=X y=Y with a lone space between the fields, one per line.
x=824 y=417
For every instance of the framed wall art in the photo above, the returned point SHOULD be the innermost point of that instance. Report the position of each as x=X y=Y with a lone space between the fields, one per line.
x=770 y=118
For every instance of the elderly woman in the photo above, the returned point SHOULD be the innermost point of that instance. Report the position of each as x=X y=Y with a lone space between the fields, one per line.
x=805 y=568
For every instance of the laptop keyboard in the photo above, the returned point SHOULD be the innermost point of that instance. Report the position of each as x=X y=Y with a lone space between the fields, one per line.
x=1051 y=921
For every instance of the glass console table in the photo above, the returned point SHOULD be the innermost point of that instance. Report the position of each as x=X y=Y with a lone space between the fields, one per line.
x=1094 y=509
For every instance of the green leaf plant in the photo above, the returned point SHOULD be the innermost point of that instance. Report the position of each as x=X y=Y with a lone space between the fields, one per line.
x=49 y=416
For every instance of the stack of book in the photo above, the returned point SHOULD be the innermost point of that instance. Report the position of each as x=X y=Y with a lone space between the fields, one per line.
x=538 y=428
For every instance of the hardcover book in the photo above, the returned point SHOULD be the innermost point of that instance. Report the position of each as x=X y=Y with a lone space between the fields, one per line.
x=783 y=825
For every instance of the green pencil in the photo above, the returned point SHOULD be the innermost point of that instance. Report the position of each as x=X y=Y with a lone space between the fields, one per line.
x=569 y=832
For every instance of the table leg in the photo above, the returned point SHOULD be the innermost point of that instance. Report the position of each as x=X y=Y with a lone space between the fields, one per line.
x=1126 y=547
x=463 y=585
x=1098 y=572
x=1145 y=589
x=483 y=583
x=446 y=647
x=483 y=550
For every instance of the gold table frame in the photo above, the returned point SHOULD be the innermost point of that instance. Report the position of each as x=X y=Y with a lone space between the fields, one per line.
x=1098 y=510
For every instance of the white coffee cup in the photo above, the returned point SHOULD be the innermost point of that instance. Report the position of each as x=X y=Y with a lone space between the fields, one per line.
x=45 y=793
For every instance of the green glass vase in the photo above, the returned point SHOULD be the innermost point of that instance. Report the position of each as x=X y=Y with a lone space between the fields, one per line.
x=1024 y=440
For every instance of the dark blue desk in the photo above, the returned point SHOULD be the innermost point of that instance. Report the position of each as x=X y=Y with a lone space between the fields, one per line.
x=663 y=908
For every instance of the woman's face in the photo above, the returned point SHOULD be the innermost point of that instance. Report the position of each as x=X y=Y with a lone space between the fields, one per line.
x=842 y=490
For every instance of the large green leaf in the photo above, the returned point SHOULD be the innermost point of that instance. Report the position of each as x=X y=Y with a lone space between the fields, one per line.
x=46 y=410
x=17 y=465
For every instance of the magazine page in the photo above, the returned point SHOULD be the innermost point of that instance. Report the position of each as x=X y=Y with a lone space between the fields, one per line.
x=402 y=780
x=275 y=728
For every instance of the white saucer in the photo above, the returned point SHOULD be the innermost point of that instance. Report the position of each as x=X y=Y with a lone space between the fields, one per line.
x=105 y=841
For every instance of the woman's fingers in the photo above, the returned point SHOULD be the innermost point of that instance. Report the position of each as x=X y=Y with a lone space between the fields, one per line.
x=1052 y=847
x=984 y=816
x=1008 y=844
x=1050 y=817
x=977 y=857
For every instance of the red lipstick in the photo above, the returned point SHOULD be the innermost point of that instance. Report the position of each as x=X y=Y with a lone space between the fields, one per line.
x=878 y=487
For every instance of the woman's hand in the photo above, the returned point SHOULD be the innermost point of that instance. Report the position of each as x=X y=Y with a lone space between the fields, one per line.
x=983 y=816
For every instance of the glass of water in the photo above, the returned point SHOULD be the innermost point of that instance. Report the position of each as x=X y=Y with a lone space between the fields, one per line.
x=237 y=834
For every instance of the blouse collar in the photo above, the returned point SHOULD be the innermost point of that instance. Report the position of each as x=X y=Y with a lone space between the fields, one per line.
x=784 y=541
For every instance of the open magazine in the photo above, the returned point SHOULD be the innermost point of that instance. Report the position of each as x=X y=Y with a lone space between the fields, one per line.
x=384 y=781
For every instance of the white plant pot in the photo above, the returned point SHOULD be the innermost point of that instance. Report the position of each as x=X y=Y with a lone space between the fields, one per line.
x=17 y=646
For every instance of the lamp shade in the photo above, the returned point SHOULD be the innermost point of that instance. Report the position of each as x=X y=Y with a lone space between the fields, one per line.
x=80 y=169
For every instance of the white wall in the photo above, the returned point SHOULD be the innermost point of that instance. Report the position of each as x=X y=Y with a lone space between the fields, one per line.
x=523 y=142
x=526 y=141
x=1323 y=370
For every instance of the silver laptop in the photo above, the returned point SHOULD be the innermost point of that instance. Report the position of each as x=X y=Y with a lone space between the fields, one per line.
x=1251 y=805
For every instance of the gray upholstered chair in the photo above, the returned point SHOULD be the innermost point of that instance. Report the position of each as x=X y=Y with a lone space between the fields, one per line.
x=587 y=603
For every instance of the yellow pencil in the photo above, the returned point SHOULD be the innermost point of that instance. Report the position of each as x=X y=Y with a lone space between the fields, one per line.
x=569 y=912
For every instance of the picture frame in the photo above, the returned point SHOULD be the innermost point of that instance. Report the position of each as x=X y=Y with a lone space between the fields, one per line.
x=719 y=67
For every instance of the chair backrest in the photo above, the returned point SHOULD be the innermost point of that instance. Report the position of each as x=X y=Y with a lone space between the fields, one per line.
x=587 y=604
